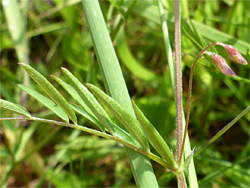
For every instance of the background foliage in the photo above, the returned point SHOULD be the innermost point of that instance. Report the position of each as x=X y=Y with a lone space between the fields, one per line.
x=58 y=36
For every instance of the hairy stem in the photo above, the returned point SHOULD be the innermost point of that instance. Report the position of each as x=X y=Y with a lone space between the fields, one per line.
x=181 y=180
x=178 y=79
x=189 y=97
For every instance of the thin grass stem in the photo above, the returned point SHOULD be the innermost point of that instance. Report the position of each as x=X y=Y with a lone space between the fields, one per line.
x=167 y=44
x=222 y=131
x=17 y=28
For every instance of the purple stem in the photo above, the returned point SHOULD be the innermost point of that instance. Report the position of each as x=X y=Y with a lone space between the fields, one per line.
x=189 y=97
x=178 y=79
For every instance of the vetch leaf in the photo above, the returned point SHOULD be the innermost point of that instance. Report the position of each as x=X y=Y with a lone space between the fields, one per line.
x=46 y=102
x=85 y=114
x=14 y=108
x=122 y=115
x=50 y=90
x=89 y=100
x=154 y=137
x=73 y=93
x=97 y=109
x=117 y=131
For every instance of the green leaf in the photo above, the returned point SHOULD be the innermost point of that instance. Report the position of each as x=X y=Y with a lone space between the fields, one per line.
x=222 y=170
x=122 y=115
x=150 y=12
x=97 y=109
x=154 y=136
x=215 y=35
x=90 y=101
x=130 y=62
x=74 y=94
x=117 y=131
x=46 y=102
x=50 y=90
x=14 y=108
x=85 y=114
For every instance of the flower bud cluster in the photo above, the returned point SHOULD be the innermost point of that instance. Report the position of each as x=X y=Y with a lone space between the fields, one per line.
x=221 y=64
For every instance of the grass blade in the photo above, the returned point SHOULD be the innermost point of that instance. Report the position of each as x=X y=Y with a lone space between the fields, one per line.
x=167 y=44
x=129 y=60
x=150 y=12
x=14 y=108
x=215 y=35
x=17 y=25
x=15 y=19
x=46 y=102
x=122 y=115
x=203 y=182
x=115 y=85
x=222 y=131
x=51 y=91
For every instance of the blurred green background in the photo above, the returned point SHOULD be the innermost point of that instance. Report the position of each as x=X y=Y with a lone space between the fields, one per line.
x=57 y=35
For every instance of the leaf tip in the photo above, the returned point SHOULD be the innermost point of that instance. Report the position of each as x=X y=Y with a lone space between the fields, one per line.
x=133 y=103
x=89 y=86
x=63 y=69
x=21 y=63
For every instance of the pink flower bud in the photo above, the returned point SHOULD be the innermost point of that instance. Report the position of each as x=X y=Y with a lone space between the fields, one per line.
x=234 y=54
x=221 y=64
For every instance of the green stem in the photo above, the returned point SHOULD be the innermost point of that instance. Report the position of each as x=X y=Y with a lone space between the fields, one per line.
x=222 y=131
x=97 y=133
